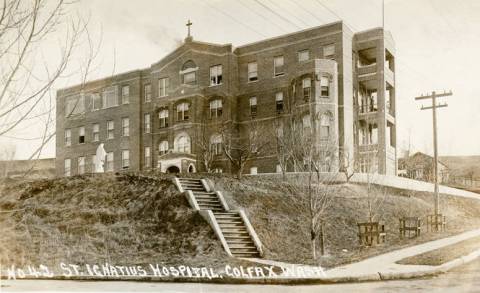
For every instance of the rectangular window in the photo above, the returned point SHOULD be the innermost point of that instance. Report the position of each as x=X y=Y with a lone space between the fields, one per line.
x=306 y=86
x=279 y=102
x=324 y=87
x=110 y=130
x=125 y=94
x=96 y=101
x=81 y=165
x=109 y=165
x=215 y=108
x=125 y=126
x=67 y=171
x=252 y=71
x=96 y=132
x=253 y=106
x=190 y=77
x=216 y=75
x=147 y=93
x=329 y=52
x=68 y=137
x=146 y=123
x=278 y=66
x=163 y=116
x=147 y=157
x=163 y=84
x=303 y=55
x=81 y=134
x=125 y=159
x=74 y=105
x=182 y=111
x=325 y=126
x=110 y=97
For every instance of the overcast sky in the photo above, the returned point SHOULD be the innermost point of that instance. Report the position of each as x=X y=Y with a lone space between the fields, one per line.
x=437 y=42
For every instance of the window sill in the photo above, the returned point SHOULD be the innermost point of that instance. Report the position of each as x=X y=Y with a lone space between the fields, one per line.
x=279 y=75
x=252 y=81
x=214 y=85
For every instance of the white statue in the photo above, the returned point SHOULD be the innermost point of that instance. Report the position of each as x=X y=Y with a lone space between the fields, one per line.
x=100 y=159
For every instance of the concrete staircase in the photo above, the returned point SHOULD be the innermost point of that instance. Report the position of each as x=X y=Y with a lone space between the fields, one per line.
x=232 y=227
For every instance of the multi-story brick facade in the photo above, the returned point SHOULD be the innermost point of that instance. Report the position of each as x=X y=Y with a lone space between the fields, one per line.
x=156 y=117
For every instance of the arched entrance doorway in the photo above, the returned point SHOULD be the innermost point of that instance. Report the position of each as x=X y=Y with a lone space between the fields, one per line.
x=173 y=169
x=191 y=169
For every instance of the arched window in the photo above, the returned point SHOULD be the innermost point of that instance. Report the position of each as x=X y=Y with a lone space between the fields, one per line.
x=182 y=111
x=189 y=72
x=216 y=144
x=182 y=143
x=325 y=125
x=163 y=147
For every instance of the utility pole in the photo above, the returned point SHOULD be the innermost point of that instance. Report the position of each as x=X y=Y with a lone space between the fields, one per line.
x=434 y=107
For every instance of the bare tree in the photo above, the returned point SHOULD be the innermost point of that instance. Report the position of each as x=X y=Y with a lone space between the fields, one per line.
x=315 y=157
x=28 y=78
x=204 y=145
x=282 y=149
x=7 y=154
x=347 y=165
x=240 y=147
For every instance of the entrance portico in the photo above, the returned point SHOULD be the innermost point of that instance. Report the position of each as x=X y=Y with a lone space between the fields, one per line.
x=175 y=162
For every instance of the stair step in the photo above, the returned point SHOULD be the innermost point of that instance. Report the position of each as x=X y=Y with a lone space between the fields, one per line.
x=229 y=237
x=242 y=246
x=247 y=255
x=205 y=195
x=212 y=200
x=240 y=241
x=234 y=233
x=222 y=221
x=231 y=225
x=211 y=205
x=243 y=249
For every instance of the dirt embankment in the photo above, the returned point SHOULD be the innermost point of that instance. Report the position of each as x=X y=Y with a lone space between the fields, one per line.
x=120 y=219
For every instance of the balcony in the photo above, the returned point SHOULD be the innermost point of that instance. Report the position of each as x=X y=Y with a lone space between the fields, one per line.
x=367 y=108
x=366 y=70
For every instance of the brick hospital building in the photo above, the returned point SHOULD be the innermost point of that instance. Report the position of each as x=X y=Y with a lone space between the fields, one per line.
x=153 y=117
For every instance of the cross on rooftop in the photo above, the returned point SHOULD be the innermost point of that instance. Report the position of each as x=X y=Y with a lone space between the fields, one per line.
x=189 y=23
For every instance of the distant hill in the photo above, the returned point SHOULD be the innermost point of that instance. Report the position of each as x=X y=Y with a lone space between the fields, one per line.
x=41 y=168
x=462 y=165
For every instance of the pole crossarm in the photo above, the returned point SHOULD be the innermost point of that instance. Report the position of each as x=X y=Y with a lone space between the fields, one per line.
x=436 y=106
x=444 y=94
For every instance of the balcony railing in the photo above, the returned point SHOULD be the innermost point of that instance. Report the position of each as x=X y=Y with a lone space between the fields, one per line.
x=368 y=108
x=367 y=69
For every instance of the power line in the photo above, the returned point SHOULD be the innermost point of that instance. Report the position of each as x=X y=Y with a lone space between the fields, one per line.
x=334 y=13
x=261 y=16
x=291 y=14
x=277 y=14
x=234 y=19
x=307 y=11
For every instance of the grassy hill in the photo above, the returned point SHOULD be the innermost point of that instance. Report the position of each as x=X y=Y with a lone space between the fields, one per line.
x=119 y=219
x=129 y=219
x=462 y=165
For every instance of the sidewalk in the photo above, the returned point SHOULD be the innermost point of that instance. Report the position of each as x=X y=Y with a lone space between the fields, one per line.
x=384 y=266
